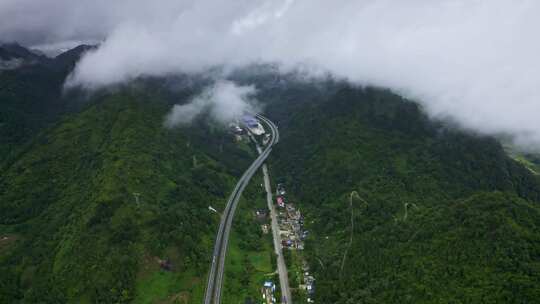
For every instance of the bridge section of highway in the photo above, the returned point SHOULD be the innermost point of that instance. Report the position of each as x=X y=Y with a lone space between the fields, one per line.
x=215 y=276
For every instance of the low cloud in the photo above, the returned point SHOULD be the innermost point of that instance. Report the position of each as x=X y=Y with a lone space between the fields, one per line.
x=224 y=102
x=473 y=61
x=57 y=48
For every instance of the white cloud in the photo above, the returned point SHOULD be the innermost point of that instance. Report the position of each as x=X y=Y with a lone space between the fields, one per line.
x=475 y=61
x=224 y=101
x=56 y=48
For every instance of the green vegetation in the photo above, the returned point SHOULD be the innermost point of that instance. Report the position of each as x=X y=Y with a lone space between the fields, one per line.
x=529 y=160
x=170 y=287
x=444 y=216
x=31 y=98
x=248 y=262
x=101 y=204
x=293 y=260
x=96 y=201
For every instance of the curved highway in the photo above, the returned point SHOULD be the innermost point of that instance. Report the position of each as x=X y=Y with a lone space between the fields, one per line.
x=215 y=276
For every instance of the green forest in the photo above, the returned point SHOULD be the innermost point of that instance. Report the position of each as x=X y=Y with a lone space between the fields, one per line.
x=441 y=216
x=100 y=203
x=92 y=203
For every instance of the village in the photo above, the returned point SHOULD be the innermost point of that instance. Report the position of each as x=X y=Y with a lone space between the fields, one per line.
x=290 y=220
x=292 y=233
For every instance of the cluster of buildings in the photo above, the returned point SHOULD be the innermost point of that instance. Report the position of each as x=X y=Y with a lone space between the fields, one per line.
x=291 y=226
x=308 y=283
x=268 y=291
x=261 y=216
x=248 y=124
x=252 y=124
x=291 y=222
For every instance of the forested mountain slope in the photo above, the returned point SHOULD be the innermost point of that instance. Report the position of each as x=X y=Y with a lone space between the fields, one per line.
x=96 y=201
x=439 y=216
x=31 y=94
x=94 y=195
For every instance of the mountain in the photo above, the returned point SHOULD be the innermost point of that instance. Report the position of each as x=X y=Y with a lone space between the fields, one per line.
x=31 y=95
x=100 y=203
x=67 y=59
x=9 y=51
x=96 y=201
x=95 y=193
x=435 y=215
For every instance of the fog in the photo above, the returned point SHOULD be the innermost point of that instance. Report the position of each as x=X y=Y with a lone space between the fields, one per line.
x=474 y=62
x=224 y=102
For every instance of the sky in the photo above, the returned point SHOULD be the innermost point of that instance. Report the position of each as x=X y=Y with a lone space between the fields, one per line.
x=474 y=62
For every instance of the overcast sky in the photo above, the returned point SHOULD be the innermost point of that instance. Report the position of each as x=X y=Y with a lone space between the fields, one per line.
x=474 y=61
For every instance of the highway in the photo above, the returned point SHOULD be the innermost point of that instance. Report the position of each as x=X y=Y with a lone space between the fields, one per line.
x=215 y=276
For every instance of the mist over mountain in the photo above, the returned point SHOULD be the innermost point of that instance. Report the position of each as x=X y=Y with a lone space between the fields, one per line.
x=472 y=62
x=31 y=94
x=408 y=144
x=225 y=102
x=104 y=197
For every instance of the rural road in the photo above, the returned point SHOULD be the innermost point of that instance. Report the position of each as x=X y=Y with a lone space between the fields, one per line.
x=282 y=268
